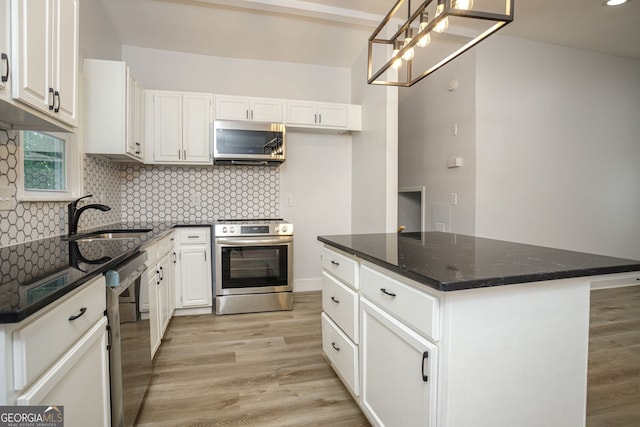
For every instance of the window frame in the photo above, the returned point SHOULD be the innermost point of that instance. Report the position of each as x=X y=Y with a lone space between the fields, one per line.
x=73 y=172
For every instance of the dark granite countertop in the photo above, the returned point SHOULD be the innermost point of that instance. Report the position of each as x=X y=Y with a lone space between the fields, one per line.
x=452 y=262
x=34 y=274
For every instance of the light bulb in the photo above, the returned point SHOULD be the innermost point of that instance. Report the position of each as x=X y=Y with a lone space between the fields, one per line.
x=409 y=54
x=426 y=39
x=462 y=4
x=398 y=62
x=442 y=26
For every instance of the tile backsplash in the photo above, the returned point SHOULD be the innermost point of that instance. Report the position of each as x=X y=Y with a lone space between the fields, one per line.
x=203 y=193
x=141 y=193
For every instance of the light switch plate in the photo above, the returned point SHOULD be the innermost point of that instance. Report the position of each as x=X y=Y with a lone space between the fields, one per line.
x=7 y=199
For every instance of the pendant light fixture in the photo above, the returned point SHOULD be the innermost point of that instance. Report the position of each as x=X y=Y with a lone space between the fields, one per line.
x=426 y=45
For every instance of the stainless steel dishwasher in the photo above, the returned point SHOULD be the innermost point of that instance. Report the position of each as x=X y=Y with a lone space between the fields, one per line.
x=130 y=343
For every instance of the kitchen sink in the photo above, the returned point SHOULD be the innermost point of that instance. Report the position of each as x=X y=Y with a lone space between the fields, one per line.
x=109 y=235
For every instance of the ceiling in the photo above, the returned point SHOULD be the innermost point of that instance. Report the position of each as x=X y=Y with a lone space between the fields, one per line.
x=335 y=32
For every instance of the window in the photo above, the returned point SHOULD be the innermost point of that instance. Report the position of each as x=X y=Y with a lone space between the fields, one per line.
x=50 y=167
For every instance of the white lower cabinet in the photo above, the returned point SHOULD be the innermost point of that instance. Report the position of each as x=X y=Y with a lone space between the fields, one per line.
x=78 y=381
x=193 y=269
x=156 y=287
x=399 y=375
x=341 y=352
x=71 y=370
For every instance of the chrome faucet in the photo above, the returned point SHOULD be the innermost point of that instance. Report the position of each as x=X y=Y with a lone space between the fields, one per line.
x=74 y=212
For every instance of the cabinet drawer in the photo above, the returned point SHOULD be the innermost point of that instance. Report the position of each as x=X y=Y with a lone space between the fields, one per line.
x=188 y=236
x=341 y=352
x=418 y=309
x=166 y=244
x=341 y=304
x=34 y=349
x=341 y=266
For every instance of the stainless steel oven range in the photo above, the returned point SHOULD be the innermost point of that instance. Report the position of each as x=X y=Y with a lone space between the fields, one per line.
x=253 y=265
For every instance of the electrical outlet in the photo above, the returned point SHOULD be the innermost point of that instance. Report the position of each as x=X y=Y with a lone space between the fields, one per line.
x=288 y=200
x=7 y=199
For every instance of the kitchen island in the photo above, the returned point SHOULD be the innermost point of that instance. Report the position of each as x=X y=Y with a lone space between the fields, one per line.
x=440 y=329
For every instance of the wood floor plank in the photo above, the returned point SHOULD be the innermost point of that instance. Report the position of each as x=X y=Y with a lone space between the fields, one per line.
x=267 y=369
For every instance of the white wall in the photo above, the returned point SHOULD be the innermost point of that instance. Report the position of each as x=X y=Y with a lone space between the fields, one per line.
x=98 y=37
x=317 y=173
x=558 y=147
x=428 y=112
x=161 y=69
x=316 y=179
x=375 y=155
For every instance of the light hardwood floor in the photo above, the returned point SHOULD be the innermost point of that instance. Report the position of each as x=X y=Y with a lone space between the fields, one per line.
x=613 y=395
x=266 y=369
x=263 y=369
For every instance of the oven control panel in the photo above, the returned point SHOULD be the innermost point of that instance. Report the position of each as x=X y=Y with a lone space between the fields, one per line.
x=232 y=230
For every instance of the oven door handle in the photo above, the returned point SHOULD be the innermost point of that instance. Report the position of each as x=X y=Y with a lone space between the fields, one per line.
x=253 y=241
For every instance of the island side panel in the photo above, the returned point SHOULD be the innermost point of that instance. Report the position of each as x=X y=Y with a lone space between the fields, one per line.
x=515 y=355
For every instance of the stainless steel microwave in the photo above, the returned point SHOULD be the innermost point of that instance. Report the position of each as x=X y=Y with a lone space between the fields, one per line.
x=249 y=143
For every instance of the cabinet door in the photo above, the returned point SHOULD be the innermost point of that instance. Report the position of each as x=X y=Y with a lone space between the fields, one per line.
x=302 y=113
x=196 y=121
x=164 y=314
x=31 y=84
x=167 y=127
x=79 y=381
x=153 y=283
x=232 y=108
x=138 y=119
x=130 y=114
x=333 y=115
x=266 y=110
x=5 y=48
x=65 y=60
x=396 y=358
x=195 y=276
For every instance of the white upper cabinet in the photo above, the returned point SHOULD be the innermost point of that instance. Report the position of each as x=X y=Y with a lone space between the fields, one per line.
x=305 y=114
x=113 y=110
x=5 y=49
x=45 y=41
x=179 y=127
x=249 y=109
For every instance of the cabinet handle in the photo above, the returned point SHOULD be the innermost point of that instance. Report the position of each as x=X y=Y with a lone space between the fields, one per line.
x=56 y=95
x=138 y=147
x=175 y=257
x=108 y=337
x=179 y=154
x=251 y=114
x=335 y=300
x=335 y=347
x=246 y=113
x=161 y=274
x=337 y=264
x=184 y=154
x=83 y=310
x=315 y=118
x=158 y=277
x=5 y=58
x=384 y=291
x=51 y=95
x=319 y=119
x=425 y=356
x=192 y=237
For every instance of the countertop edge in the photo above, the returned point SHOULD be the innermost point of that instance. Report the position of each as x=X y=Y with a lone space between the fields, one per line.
x=484 y=283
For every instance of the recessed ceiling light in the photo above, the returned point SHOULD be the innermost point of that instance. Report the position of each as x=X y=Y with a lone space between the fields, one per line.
x=615 y=2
